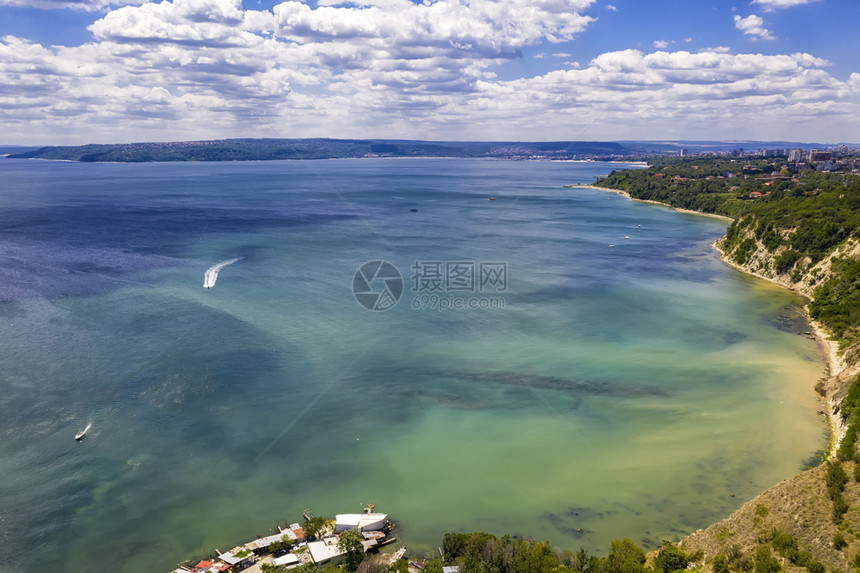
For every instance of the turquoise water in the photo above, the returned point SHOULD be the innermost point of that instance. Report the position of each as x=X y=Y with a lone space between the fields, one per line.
x=604 y=392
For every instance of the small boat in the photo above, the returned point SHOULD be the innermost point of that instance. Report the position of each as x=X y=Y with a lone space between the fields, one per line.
x=80 y=435
x=492 y=198
x=414 y=210
x=626 y=237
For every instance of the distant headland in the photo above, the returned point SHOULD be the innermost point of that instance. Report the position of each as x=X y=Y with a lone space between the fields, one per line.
x=323 y=148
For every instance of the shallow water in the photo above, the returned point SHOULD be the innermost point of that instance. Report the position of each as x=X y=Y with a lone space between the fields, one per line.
x=620 y=391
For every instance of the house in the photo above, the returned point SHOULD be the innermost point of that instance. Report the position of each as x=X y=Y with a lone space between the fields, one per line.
x=325 y=551
x=238 y=560
x=288 y=560
x=211 y=567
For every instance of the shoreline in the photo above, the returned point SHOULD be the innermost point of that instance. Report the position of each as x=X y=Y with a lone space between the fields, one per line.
x=626 y=194
x=828 y=348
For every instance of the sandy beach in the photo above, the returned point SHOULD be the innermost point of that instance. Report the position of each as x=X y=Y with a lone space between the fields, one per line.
x=626 y=194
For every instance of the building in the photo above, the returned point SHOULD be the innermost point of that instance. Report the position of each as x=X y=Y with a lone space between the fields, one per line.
x=360 y=521
x=325 y=551
x=236 y=562
x=288 y=560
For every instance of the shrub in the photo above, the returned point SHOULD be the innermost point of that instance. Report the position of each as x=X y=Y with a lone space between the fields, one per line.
x=785 y=262
x=720 y=563
x=839 y=541
x=765 y=562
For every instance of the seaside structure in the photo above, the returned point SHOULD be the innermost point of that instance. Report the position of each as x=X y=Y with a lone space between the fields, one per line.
x=362 y=521
x=293 y=548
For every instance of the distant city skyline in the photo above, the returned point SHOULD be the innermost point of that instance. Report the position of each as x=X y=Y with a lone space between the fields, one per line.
x=99 y=71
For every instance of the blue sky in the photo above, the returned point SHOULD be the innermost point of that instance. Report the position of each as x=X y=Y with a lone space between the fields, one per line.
x=78 y=71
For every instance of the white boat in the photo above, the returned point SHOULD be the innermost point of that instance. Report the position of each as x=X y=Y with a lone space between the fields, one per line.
x=80 y=435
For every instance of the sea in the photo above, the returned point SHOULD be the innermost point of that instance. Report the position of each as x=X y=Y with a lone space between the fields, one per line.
x=468 y=345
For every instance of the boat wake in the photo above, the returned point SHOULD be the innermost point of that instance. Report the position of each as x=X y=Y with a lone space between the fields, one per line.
x=211 y=274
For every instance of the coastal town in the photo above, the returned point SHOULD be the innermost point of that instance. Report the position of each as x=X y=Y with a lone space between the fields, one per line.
x=318 y=542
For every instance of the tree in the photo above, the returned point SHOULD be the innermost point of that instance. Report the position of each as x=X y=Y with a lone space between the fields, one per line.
x=624 y=557
x=434 y=566
x=314 y=525
x=582 y=562
x=720 y=563
x=350 y=544
x=671 y=558
x=765 y=562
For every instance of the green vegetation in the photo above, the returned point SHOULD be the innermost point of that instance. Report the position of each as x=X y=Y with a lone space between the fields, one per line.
x=837 y=302
x=786 y=545
x=670 y=558
x=850 y=412
x=836 y=478
x=350 y=543
x=283 y=545
x=315 y=525
x=765 y=562
x=792 y=214
x=486 y=553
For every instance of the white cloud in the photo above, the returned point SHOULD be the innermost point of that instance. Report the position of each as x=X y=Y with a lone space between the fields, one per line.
x=688 y=40
x=753 y=26
x=190 y=69
x=770 y=5
x=701 y=95
x=561 y=55
x=88 y=5
x=611 y=8
x=661 y=44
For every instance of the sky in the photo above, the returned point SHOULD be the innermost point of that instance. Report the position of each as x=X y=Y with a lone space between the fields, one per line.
x=112 y=71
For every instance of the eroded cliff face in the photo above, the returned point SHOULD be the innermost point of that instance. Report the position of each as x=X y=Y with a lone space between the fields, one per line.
x=802 y=276
x=749 y=253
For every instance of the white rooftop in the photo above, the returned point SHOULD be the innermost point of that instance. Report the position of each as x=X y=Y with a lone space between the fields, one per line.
x=288 y=559
x=360 y=521
x=324 y=550
x=264 y=542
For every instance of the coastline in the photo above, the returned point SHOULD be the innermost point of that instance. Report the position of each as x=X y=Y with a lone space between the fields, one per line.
x=828 y=348
x=626 y=194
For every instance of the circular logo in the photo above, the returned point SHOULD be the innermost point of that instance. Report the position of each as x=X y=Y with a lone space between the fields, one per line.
x=377 y=285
